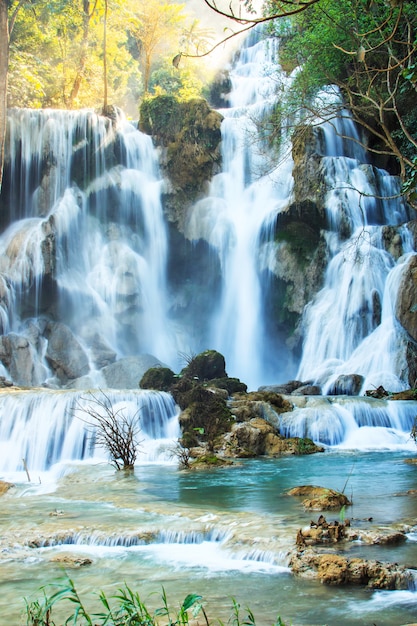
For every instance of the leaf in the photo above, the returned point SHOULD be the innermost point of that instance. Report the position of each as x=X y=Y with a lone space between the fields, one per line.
x=190 y=600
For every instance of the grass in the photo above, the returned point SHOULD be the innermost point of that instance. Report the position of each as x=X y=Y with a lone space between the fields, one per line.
x=125 y=608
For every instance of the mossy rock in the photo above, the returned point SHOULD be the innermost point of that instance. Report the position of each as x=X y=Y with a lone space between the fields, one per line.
x=209 y=460
x=190 y=132
x=158 y=378
x=208 y=365
x=232 y=385
x=276 y=400
x=320 y=498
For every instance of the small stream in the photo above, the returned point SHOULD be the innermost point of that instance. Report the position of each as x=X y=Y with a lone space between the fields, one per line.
x=221 y=533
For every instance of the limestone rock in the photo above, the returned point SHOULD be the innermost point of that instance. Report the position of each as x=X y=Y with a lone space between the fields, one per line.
x=19 y=356
x=127 y=372
x=71 y=560
x=64 y=353
x=406 y=307
x=334 y=569
x=347 y=385
x=4 y=487
x=320 y=498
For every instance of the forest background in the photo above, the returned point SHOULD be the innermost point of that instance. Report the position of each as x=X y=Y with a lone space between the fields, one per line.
x=89 y=53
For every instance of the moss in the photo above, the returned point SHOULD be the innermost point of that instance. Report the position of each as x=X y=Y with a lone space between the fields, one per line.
x=159 y=378
x=232 y=385
x=190 y=132
x=207 y=365
x=209 y=460
x=306 y=446
x=301 y=238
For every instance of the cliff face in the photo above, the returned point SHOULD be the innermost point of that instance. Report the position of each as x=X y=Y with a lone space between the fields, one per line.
x=188 y=135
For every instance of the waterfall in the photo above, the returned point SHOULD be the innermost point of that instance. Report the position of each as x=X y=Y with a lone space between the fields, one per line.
x=86 y=241
x=51 y=427
x=352 y=423
x=350 y=327
x=242 y=202
x=85 y=245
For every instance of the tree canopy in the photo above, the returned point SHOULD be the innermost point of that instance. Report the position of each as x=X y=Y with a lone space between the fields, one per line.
x=367 y=48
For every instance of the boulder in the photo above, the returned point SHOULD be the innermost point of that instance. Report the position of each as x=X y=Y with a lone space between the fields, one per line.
x=335 y=569
x=4 y=487
x=207 y=365
x=346 y=385
x=21 y=360
x=127 y=372
x=320 y=498
x=64 y=353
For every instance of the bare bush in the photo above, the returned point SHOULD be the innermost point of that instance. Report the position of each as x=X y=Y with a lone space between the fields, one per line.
x=113 y=430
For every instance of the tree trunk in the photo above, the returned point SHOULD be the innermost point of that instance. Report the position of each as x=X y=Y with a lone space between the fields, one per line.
x=4 y=64
x=87 y=14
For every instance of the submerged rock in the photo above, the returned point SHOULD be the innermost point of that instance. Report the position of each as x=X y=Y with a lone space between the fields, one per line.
x=320 y=498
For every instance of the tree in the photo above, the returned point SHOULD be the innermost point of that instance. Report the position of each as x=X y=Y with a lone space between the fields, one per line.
x=4 y=65
x=155 y=25
x=112 y=429
x=368 y=49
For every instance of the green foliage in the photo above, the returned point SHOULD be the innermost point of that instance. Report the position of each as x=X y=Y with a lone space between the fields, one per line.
x=125 y=608
x=160 y=117
x=305 y=446
x=368 y=49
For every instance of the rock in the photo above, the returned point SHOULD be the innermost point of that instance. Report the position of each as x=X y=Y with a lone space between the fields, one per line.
x=189 y=135
x=101 y=353
x=307 y=390
x=406 y=306
x=71 y=560
x=21 y=360
x=346 y=385
x=378 y=393
x=127 y=372
x=159 y=378
x=285 y=388
x=334 y=569
x=64 y=353
x=320 y=498
x=4 y=487
x=207 y=365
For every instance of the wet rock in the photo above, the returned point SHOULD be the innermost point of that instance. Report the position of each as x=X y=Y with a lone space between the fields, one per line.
x=127 y=372
x=71 y=560
x=4 y=487
x=378 y=393
x=307 y=390
x=101 y=353
x=259 y=437
x=21 y=360
x=285 y=388
x=334 y=569
x=406 y=306
x=347 y=385
x=64 y=353
x=159 y=378
x=207 y=365
x=320 y=498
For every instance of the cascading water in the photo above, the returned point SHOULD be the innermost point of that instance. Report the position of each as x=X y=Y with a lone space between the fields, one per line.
x=350 y=327
x=242 y=200
x=88 y=238
x=29 y=440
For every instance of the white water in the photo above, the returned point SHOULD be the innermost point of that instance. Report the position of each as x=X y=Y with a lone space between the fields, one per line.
x=242 y=200
x=48 y=430
x=351 y=423
x=342 y=332
x=110 y=240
